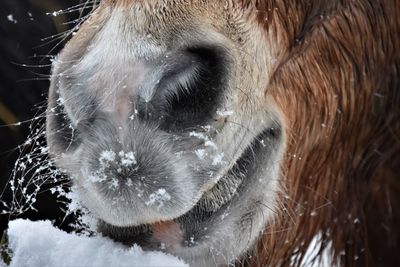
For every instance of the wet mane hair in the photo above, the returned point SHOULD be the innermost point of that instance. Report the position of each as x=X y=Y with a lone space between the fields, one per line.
x=339 y=89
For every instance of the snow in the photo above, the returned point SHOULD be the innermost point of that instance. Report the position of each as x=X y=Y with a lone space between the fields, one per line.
x=39 y=244
x=107 y=155
x=127 y=159
x=211 y=144
x=200 y=153
x=11 y=18
x=224 y=113
x=218 y=159
x=55 y=13
x=159 y=197
x=198 y=135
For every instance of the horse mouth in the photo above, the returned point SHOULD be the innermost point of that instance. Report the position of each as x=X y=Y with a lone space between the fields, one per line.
x=183 y=231
x=195 y=226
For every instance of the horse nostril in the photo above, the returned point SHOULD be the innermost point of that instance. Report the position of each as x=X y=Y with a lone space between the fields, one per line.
x=146 y=110
x=185 y=89
x=210 y=57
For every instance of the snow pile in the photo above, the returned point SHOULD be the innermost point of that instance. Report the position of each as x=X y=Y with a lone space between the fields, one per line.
x=39 y=244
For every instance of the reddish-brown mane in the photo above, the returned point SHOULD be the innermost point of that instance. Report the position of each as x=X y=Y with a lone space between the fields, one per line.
x=339 y=89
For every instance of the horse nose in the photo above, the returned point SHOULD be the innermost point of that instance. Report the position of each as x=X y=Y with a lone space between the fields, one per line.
x=187 y=82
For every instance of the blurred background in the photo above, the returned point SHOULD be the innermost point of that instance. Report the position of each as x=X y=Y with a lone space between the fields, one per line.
x=26 y=28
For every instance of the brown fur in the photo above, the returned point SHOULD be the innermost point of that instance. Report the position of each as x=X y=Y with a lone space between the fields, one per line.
x=339 y=89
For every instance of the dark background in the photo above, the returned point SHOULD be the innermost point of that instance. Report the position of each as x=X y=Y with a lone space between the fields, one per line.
x=23 y=84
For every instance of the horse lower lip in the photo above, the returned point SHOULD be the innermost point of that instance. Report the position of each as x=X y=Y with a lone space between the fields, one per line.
x=168 y=233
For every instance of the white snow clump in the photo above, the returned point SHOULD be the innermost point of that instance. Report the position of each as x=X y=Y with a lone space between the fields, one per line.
x=40 y=244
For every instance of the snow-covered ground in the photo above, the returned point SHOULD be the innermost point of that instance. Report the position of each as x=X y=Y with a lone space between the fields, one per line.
x=40 y=244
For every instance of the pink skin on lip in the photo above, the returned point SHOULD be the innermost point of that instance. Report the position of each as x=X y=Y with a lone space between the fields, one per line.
x=168 y=233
